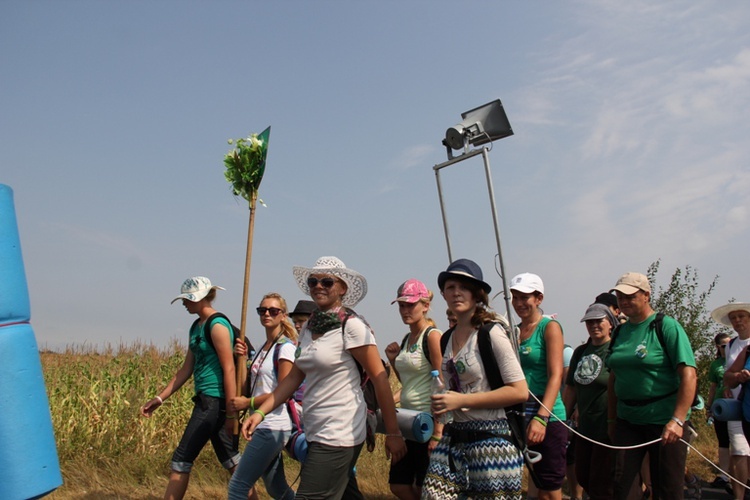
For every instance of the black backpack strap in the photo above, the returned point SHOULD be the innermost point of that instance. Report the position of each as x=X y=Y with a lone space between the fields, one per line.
x=425 y=345
x=403 y=342
x=207 y=327
x=491 y=370
x=613 y=337
x=349 y=314
x=444 y=340
x=657 y=325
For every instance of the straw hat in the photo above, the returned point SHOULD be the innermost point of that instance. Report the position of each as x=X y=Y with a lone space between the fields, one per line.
x=721 y=314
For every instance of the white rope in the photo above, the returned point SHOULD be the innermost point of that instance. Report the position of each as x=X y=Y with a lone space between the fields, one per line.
x=574 y=431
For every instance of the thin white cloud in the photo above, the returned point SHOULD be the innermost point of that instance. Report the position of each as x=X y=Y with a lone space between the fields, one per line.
x=414 y=156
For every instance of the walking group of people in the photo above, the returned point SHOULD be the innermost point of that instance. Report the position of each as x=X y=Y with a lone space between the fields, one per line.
x=632 y=382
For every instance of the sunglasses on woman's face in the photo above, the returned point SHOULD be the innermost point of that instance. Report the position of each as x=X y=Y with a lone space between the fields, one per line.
x=324 y=282
x=273 y=311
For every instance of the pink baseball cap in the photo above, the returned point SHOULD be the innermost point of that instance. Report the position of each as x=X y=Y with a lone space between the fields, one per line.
x=411 y=291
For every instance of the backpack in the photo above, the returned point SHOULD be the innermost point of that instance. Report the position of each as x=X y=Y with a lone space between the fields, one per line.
x=207 y=330
x=514 y=413
x=368 y=388
x=425 y=348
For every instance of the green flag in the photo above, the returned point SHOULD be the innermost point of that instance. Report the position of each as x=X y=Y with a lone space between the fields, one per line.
x=246 y=163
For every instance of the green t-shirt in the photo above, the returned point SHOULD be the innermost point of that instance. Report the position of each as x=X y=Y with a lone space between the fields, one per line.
x=716 y=376
x=643 y=370
x=207 y=373
x=533 y=355
x=589 y=376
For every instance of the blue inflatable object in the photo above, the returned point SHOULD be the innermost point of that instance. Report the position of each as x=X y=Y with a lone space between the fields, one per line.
x=296 y=447
x=414 y=425
x=29 y=467
x=727 y=409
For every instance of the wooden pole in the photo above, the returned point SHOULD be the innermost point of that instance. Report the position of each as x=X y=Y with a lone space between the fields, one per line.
x=241 y=364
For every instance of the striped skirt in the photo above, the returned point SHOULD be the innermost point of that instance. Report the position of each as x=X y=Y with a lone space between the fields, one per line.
x=474 y=460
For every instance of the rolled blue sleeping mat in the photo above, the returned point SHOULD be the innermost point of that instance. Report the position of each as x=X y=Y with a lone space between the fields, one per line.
x=727 y=409
x=29 y=466
x=298 y=449
x=414 y=425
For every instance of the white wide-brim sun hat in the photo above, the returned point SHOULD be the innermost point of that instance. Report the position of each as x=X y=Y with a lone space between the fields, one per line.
x=721 y=314
x=356 y=284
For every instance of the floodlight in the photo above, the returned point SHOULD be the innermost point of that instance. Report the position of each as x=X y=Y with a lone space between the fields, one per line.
x=480 y=125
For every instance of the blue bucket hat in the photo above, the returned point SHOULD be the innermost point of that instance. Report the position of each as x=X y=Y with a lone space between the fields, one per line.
x=464 y=269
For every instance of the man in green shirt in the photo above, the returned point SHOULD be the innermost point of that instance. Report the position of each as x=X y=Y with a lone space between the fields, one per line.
x=651 y=388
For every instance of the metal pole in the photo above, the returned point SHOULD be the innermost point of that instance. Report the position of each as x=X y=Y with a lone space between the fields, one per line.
x=437 y=169
x=506 y=294
x=442 y=212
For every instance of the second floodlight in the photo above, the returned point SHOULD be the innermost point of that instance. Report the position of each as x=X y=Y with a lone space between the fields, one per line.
x=479 y=126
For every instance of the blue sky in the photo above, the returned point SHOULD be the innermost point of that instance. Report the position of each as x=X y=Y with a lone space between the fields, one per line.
x=630 y=145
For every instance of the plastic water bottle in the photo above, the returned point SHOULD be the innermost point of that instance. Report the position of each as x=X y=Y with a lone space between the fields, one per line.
x=439 y=388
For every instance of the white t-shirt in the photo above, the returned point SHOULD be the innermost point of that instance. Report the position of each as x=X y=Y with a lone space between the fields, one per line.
x=734 y=349
x=470 y=372
x=334 y=406
x=277 y=420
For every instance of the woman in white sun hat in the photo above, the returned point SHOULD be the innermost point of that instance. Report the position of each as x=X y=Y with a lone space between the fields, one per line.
x=326 y=359
x=737 y=316
x=209 y=360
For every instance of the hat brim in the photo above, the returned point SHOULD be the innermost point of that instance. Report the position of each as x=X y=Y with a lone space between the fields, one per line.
x=593 y=316
x=196 y=297
x=525 y=289
x=356 y=284
x=411 y=299
x=445 y=275
x=721 y=314
x=627 y=289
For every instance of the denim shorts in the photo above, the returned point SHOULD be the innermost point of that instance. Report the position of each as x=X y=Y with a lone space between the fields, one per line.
x=206 y=422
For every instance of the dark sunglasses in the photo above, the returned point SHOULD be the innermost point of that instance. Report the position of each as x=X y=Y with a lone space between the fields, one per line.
x=325 y=282
x=454 y=383
x=273 y=311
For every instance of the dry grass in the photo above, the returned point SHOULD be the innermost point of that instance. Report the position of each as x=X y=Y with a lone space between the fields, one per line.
x=107 y=451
